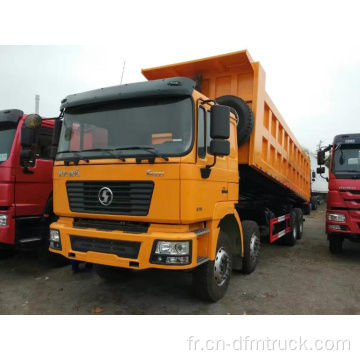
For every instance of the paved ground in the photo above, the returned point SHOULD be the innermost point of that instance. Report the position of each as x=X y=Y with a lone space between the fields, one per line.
x=305 y=279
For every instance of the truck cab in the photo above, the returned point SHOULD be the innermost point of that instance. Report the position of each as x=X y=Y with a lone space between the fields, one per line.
x=25 y=182
x=343 y=207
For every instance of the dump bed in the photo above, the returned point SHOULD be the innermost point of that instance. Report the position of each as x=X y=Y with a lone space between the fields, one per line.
x=272 y=151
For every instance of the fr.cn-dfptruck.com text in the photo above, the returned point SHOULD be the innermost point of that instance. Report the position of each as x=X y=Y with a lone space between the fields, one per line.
x=243 y=343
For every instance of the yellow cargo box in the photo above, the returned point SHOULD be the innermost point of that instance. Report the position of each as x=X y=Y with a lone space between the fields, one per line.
x=272 y=150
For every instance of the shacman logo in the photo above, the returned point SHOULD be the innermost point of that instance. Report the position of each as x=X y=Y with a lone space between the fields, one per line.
x=154 y=173
x=106 y=196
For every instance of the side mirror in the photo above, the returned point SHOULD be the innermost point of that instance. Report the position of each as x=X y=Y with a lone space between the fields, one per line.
x=33 y=121
x=25 y=155
x=321 y=158
x=220 y=122
x=320 y=170
x=27 y=136
x=220 y=147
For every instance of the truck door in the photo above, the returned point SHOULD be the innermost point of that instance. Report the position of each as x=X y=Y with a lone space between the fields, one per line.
x=34 y=181
x=203 y=193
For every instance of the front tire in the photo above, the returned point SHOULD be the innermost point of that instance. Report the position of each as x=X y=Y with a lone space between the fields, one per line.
x=211 y=279
x=251 y=236
x=335 y=243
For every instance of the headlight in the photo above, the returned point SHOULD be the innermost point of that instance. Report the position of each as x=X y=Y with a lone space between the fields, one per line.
x=336 y=217
x=172 y=248
x=171 y=252
x=55 y=242
x=3 y=220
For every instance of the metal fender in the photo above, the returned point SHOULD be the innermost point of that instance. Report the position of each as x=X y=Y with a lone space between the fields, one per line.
x=223 y=211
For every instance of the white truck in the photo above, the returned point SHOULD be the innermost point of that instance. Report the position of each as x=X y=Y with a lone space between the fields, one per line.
x=319 y=184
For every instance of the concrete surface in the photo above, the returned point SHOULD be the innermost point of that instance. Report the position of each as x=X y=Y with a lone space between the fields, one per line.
x=304 y=279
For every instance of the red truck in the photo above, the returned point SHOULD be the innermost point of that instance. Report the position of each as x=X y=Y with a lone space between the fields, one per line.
x=25 y=184
x=343 y=207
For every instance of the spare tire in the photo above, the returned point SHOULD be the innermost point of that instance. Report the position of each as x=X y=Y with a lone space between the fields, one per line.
x=246 y=118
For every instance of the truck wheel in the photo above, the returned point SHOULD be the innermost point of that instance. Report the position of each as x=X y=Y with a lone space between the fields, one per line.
x=251 y=235
x=290 y=238
x=307 y=209
x=246 y=117
x=335 y=243
x=314 y=204
x=299 y=223
x=111 y=273
x=211 y=279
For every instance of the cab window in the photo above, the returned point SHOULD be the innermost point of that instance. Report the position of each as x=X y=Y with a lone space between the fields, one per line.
x=201 y=133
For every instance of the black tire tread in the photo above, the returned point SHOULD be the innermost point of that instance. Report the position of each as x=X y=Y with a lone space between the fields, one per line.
x=246 y=117
x=299 y=218
x=249 y=227
x=203 y=275
x=288 y=239
x=335 y=244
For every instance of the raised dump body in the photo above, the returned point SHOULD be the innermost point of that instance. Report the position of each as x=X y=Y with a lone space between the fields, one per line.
x=272 y=149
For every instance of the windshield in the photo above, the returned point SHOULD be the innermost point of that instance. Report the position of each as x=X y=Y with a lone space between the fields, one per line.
x=7 y=133
x=347 y=159
x=145 y=127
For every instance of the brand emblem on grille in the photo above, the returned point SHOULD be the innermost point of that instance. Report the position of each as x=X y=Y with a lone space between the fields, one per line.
x=105 y=196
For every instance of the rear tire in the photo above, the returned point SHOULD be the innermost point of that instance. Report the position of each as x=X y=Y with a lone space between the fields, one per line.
x=111 y=273
x=335 y=243
x=307 y=209
x=313 y=202
x=211 y=279
x=290 y=238
x=251 y=236
x=299 y=223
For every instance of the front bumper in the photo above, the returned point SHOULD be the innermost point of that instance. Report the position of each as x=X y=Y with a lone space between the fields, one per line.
x=7 y=233
x=143 y=257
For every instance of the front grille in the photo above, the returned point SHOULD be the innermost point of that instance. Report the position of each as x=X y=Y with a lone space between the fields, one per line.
x=129 y=197
x=111 y=225
x=124 y=249
x=354 y=192
x=353 y=200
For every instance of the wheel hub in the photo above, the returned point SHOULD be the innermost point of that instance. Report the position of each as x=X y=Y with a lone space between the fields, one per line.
x=222 y=266
x=254 y=247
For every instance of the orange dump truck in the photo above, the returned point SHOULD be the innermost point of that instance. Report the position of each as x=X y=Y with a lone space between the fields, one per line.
x=185 y=171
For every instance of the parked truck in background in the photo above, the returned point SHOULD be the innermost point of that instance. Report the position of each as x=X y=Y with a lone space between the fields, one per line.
x=178 y=174
x=25 y=184
x=343 y=204
x=319 y=185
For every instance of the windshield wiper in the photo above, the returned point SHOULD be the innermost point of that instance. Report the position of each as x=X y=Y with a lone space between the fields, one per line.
x=76 y=154
x=150 y=150
x=108 y=151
